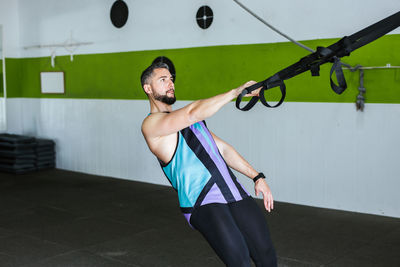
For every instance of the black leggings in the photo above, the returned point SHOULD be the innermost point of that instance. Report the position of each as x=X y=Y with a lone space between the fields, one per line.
x=236 y=231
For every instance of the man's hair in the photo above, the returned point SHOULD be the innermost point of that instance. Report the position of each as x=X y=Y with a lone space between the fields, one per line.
x=146 y=74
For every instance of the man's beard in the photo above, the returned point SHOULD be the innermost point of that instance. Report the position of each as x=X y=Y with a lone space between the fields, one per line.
x=165 y=99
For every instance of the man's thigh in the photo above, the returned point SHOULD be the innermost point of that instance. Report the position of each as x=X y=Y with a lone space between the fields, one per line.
x=216 y=223
x=252 y=224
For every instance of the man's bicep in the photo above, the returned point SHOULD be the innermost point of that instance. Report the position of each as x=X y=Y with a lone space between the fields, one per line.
x=166 y=123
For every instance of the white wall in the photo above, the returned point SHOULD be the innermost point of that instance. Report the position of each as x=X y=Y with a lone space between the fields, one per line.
x=9 y=19
x=3 y=126
x=318 y=154
x=2 y=99
x=154 y=24
x=9 y=41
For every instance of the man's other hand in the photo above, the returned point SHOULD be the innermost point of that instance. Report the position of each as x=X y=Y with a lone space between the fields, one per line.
x=261 y=186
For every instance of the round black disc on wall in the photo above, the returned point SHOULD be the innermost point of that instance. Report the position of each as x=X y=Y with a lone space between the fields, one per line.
x=169 y=63
x=119 y=13
x=204 y=17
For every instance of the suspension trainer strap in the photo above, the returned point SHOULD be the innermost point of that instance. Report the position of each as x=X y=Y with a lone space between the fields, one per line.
x=312 y=62
x=342 y=85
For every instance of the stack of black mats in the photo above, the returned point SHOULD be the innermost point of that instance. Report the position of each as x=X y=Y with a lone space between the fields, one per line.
x=45 y=154
x=21 y=154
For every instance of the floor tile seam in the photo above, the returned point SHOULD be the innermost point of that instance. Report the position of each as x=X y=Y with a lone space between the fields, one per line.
x=53 y=225
x=121 y=222
x=336 y=221
x=364 y=240
x=349 y=252
x=109 y=216
x=67 y=246
x=108 y=258
x=70 y=213
x=8 y=255
x=94 y=217
x=51 y=257
x=14 y=214
x=343 y=254
x=31 y=235
x=100 y=214
x=38 y=206
x=6 y=236
x=296 y=260
x=326 y=234
x=10 y=232
x=87 y=248
x=55 y=208
x=16 y=234
x=28 y=205
x=12 y=197
x=381 y=245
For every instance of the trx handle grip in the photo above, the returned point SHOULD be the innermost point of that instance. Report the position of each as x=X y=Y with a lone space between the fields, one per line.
x=282 y=87
x=270 y=83
x=253 y=100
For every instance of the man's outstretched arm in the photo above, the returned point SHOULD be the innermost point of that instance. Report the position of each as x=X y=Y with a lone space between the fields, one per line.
x=238 y=163
x=165 y=124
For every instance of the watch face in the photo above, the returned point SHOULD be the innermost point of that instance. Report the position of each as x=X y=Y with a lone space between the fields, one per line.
x=119 y=13
x=204 y=17
x=167 y=61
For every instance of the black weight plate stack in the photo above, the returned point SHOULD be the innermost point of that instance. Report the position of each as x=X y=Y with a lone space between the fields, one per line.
x=21 y=154
x=17 y=153
x=45 y=154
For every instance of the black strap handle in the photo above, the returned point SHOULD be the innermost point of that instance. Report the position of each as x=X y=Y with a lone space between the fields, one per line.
x=282 y=87
x=337 y=68
x=272 y=82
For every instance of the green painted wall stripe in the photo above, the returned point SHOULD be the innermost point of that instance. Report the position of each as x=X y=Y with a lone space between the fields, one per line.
x=205 y=71
x=1 y=79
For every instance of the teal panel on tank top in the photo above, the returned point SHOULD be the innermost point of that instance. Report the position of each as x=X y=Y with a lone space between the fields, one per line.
x=190 y=177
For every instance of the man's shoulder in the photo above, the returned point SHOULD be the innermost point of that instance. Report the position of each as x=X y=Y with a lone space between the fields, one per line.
x=151 y=121
x=153 y=117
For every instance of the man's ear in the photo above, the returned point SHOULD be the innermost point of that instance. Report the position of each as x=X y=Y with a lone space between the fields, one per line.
x=147 y=88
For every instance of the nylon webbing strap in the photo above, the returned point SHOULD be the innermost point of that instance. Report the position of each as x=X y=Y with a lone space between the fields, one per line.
x=312 y=62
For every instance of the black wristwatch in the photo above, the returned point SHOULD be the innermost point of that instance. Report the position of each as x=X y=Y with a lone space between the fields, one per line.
x=260 y=175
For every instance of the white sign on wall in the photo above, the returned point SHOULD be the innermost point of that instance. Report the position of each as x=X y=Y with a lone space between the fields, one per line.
x=52 y=82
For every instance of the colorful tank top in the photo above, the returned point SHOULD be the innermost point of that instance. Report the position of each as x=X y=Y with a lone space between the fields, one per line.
x=198 y=172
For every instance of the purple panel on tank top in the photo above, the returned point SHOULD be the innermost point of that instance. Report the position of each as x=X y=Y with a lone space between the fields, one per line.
x=209 y=136
x=187 y=217
x=219 y=162
x=213 y=196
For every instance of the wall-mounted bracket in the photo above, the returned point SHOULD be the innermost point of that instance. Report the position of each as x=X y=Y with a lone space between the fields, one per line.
x=70 y=45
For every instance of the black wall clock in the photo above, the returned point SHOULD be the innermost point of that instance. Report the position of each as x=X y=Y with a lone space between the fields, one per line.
x=119 y=13
x=204 y=17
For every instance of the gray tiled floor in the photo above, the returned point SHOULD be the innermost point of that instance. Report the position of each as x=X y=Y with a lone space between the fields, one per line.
x=61 y=218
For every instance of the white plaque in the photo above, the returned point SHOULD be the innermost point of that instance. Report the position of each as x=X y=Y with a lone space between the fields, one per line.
x=52 y=82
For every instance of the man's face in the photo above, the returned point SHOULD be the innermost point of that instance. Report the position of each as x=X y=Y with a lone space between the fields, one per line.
x=162 y=85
